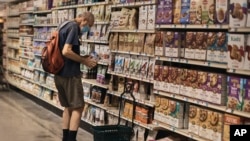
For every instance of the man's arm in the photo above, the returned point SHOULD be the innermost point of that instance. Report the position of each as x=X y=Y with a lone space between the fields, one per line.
x=68 y=53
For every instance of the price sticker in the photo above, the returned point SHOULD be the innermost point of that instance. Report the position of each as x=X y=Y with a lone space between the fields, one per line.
x=229 y=110
x=157 y=26
x=173 y=26
x=183 y=26
x=205 y=26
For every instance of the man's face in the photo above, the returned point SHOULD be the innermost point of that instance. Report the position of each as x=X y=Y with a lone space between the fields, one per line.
x=86 y=22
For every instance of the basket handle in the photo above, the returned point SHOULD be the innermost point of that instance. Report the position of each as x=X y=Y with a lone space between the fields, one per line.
x=128 y=89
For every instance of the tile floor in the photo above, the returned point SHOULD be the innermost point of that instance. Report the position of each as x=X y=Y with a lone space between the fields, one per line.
x=21 y=119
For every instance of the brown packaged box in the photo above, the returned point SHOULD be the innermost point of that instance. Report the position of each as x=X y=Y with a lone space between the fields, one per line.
x=230 y=120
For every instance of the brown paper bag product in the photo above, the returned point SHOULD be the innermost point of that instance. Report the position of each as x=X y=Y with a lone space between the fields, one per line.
x=115 y=45
x=149 y=47
x=121 y=41
x=111 y=41
x=136 y=40
x=130 y=44
x=132 y=19
x=140 y=44
x=126 y=42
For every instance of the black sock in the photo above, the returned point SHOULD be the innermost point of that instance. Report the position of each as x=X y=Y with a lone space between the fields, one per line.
x=65 y=134
x=72 y=135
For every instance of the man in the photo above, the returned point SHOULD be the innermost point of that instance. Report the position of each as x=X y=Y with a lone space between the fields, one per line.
x=68 y=80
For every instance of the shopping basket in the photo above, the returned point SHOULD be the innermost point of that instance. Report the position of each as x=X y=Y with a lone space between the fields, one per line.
x=116 y=132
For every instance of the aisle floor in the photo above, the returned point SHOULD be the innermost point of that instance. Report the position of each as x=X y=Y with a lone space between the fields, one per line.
x=21 y=119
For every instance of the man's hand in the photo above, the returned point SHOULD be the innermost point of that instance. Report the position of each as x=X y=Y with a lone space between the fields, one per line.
x=89 y=61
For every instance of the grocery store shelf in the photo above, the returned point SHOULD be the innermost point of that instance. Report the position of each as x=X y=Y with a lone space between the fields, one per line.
x=45 y=25
x=36 y=54
x=101 y=22
x=27 y=68
x=95 y=41
x=103 y=63
x=42 y=12
x=237 y=71
x=39 y=69
x=26 y=35
x=40 y=40
x=16 y=26
x=183 y=132
x=26 y=46
x=193 y=62
x=12 y=47
x=95 y=83
x=144 y=102
x=28 y=24
x=26 y=57
x=26 y=12
x=129 y=76
x=189 y=26
x=87 y=121
x=240 y=29
x=132 y=31
x=80 y=5
x=13 y=15
x=147 y=126
x=89 y=101
x=13 y=58
x=9 y=36
x=202 y=103
x=134 y=4
x=131 y=53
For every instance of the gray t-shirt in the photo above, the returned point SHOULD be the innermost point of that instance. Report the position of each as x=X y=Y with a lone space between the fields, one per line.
x=70 y=34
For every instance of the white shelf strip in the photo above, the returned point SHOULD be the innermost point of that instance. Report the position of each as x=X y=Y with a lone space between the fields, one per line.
x=93 y=82
x=26 y=35
x=239 y=29
x=95 y=41
x=183 y=132
x=148 y=126
x=87 y=121
x=129 y=76
x=193 y=62
x=133 y=31
x=134 y=4
x=13 y=58
x=95 y=104
x=202 y=103
x=9 y=36
x=40 y=40
x=126 y=96
x=190 y=26
x=80 y=5
x=131 y=53
x=237 y=71
x=12 y=47
x=45 y=25
x=42 y=11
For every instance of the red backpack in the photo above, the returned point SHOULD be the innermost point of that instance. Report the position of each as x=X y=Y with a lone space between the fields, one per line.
x=52 y=60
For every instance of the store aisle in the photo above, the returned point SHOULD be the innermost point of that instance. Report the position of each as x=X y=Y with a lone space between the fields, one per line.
x=23 y=120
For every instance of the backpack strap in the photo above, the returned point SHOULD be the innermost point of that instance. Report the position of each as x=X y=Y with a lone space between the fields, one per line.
x=62 y=25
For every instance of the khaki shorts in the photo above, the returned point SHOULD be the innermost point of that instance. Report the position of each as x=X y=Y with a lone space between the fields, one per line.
x=70 y=91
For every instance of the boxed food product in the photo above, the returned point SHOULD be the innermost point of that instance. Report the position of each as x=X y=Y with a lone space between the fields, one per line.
x=246 y=103
x=168 y=12
x=157 y=76
x=221 y=47
x=176 y=113
x=221 y=11
x=144 y=67
x=235 y=92
x=193 y=83
x=151 y=64
x=208 y=12
x=159 y=50
x=143 y=17
x=149 y=46
x=236 y=48
x=176 y=11
x=151 y=17
x=201 y=46
x=247 y=53
x=203 y=84
x=204 y=123
x=160 y=12
x=211 y=46
x=230 y=120
x=131 y=37
x=190 y=45
x=164 y=84
x=185 y=7
x=195 y=11
x=217 y=88
x=215 y=126
x=172 y=42
x=184 y=82
x=237 y=13
x=193 y=120
x=174 y=80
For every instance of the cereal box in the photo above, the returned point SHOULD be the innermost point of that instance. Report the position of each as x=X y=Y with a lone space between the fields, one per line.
x=190 y=45
x=157 y=80
x=160 y=12
x=185 y=7
x=193 y=121
x=247 y=53
x=221 y=47
x=215 y=126
x=217 y=88
x=221 y=11
x=151 y=64
x=174 y=80
x=165 y=85
x=236 y=48
x=203 y=85
x=237 y=13
x=235 y=92
x=168 y=13
x=144 y=67
x=208 y=12
x=201 y=46
x=246 y=105
x=159 y=49
x=184 y=82
x=230 y=120
x=183 y=44
x=211 y=46
x=193 y=83
x=172 y=44
x=151 y=17
x=176 y=11
x=195 y=11
x=176 y=113
x=143 y=17
x=204 y=123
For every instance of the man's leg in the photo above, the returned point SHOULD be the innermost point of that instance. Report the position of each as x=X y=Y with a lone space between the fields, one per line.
x=74 y=123
x=65 y=123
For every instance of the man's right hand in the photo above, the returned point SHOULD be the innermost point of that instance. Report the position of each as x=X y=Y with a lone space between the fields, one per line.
x=89 y=61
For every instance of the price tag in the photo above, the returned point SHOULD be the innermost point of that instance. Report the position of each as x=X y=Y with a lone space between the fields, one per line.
x=185 y=99
x=218 y=26
x=205 y=26
x=157 y=26
x=173 y=129
x=229 y=110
